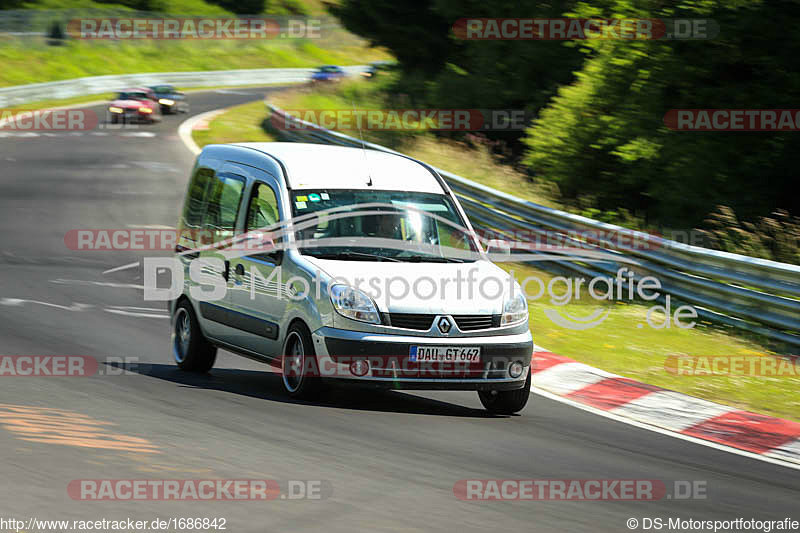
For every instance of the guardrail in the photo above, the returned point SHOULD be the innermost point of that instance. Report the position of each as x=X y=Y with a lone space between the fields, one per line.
x=21 y=94
x=748 y=293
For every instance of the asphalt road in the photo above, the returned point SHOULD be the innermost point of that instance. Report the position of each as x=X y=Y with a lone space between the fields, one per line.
x=391 y=459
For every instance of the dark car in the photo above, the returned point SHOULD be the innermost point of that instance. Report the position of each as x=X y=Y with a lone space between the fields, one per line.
x=328 y=73
x=375 y=68
x=170 y=99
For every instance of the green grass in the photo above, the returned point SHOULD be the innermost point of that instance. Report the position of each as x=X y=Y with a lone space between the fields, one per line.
x=242 y=123
x=620 y=346
x=189 y=7
x=33 y=63
x=32 y=60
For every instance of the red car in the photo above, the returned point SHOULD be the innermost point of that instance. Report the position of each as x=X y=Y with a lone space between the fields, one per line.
x=135 y=105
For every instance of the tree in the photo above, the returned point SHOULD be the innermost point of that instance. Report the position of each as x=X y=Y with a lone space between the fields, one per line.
x=604 y=136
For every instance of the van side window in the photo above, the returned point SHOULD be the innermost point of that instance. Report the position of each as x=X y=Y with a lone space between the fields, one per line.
x=222 y=207
x=195 y=206
x=263 y=209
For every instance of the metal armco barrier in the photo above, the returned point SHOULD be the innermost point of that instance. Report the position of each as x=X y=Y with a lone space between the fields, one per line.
x=748 y=293
x=56 y=90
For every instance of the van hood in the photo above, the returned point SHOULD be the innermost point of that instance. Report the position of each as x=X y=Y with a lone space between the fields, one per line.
x=481 y=290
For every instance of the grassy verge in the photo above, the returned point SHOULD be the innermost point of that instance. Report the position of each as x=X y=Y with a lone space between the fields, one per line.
x=242 y=123
x=617 y=344
x=621 y=346
x=34 y=63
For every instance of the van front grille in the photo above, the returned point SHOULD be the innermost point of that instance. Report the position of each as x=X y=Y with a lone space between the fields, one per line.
x=473 y=322
x=411 y=321
x=423 y=322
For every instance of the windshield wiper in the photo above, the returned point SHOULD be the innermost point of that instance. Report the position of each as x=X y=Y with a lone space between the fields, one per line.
x=430 y=259
x=355 y=256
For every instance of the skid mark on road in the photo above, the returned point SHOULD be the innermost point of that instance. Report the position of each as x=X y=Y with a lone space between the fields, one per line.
x=57 y=426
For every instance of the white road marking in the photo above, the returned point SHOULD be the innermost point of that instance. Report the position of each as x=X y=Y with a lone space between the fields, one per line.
x=133 y=308
x=18 y=134
x=61 y=281
x=671 y=410
x=156 y=166
x=662 y=431
x=123 y=267
x=17 y=302
x=138 y=134
x=788 y=452
x=226 y=91
x=186 y=127
x=135 y=313
x=569 y=377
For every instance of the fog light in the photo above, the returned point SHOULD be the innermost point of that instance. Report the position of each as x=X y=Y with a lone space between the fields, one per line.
x=359 y=367
x=515 y=370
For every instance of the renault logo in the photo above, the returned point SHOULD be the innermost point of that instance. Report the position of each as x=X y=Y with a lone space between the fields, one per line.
x=445 y=325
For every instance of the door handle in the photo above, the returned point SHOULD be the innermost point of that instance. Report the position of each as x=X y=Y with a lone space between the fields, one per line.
x=239 y=269
x=227 y=271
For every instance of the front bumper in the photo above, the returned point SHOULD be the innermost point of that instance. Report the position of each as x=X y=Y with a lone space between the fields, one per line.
x=391 y=368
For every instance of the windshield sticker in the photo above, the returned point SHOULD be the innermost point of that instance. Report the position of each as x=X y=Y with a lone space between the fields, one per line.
x=325 y=196
x=302 y=198
x=301 y=205
x=314 y=197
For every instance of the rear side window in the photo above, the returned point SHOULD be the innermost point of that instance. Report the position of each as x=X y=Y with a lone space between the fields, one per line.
x=222 y=207
x=195 y=207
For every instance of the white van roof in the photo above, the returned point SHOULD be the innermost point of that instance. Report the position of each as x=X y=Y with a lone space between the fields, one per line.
x=320 y=166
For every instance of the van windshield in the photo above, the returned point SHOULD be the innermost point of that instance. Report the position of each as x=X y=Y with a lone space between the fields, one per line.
x=365 y=225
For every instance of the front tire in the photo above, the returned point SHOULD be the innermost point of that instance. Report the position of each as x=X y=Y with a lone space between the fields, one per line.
x=506 y=402
x=191 y=350
x=297 y=360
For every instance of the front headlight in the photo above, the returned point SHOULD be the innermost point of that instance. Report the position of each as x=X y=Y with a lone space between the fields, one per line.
x=114 y=109
x=515 y=309
x=166 y=101
x=146 y=110
x=354 y=304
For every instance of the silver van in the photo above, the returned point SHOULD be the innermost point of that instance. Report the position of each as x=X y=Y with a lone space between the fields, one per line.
x=346 y=265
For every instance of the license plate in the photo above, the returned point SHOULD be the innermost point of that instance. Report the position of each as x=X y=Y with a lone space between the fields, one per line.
x=445 y=354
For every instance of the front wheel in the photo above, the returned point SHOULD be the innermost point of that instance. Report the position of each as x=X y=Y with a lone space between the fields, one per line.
x=506 y=402
x=299 y=364
x=192 y=351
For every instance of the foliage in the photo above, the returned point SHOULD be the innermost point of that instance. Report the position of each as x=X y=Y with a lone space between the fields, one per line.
x=599 y=105
x=776 y=237
x=604 y=135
